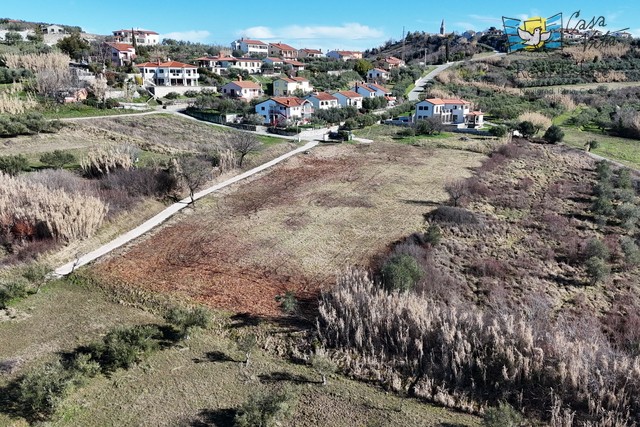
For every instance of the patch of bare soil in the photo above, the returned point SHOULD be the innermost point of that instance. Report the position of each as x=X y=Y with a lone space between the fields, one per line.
x=293 y=228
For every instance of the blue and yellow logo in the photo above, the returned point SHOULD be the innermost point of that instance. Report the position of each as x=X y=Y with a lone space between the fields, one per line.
x=534 y=33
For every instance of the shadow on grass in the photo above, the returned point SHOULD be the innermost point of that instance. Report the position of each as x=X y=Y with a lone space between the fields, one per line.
x=242 y=320
x=421 y=202
x=216 y=356
x=218 y=418
x=276 y=377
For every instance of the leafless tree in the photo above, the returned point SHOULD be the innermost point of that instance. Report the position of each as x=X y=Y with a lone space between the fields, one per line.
x=194 y=173
x=457 y=190
x=98 y=87
x=242 y=143
x=49 y=81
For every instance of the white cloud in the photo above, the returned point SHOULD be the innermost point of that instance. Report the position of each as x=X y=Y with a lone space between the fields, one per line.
x=634 y=32
x=191 y=36
x=487 y=19
x=348 y=31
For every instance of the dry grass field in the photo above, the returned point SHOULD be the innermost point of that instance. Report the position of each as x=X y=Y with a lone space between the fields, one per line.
x=293 y=228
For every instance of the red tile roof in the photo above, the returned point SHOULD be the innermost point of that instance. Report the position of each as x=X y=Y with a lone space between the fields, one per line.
x=246 y=84
x=294 y=63
x=316 y=51
x=290 y=101
x=171 y=64
x=121 y=47
x=455 y=101
x=435 y=101
x=247 y=41
x=324 y=96
x=380 y=70
x=300 y=79
x=378 y=87
x=282 y=46
x=365 y=88
x=349 y=94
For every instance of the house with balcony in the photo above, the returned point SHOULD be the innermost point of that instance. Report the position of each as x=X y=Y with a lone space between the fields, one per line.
x=349 y=98
x=322 y=100
x=277 y=110
x=285 y=86
x=295 y=65
x=252 y=65
x=121 y=53
x=454 y=112
x=142 y=37
x=282 y=50
x=310 y=53
x=250 y=46
x=242 y=90
x=171 y=73
x=273 y=62
x=220 y=64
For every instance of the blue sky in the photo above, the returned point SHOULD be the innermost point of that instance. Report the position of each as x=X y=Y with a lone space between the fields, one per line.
x=327 y=24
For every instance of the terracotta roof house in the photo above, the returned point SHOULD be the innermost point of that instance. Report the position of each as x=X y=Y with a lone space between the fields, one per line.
x=250 y=46
x=276 y=110
x=296 y=65
x=282 y=50
x=322 y=100
x=121 y=53
x=242 y=90
x=380 y=91
x=392 y=62
x=451 y=111
x=310 y=53
x=349 y=98
x=364 y=90
x=171 y=73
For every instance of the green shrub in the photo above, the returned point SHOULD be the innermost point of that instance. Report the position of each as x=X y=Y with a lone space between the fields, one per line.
x=266 y=410
x=602 y=206
x=597 y=248
x=401 y=273
x=498 y=131
x=603 y=169
x=433 y=235
x=288 y=302
x=407 y=132
x=123 y=347
x=630 y=250
x=172 y=95
x=597 y=270
x=57 y=159
x=502 y=416
x=624 y=179
x=628 y=214
x=11 y=289
x=13 y=165
x=188 y=319
x=554 y=134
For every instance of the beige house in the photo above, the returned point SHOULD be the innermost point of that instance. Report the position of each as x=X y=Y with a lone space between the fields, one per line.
x=121 y=53
x=282 y=50
x=286 y=86
x=242 y=90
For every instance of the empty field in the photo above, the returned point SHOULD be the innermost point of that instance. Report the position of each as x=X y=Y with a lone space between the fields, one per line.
x=294 y=227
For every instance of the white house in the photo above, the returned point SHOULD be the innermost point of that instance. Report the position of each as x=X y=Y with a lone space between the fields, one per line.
x=349 y=98
x=242 y=90
x=273 y=62
x=344 y=54
x=250 y=46
x=252 y=65
x=322 y=100
x=295 y=65
x=451 y=111
x=378 y=74
x=170 y=73
x=52 y=29
x=286 y=86
x=276 y=110
x=221 y=64
x=146 y=38
x=121 y=53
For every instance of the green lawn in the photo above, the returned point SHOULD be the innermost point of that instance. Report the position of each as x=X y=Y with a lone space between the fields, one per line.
x=623 y=150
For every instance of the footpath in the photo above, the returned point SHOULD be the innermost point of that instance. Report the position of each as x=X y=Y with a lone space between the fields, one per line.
x=168 y=212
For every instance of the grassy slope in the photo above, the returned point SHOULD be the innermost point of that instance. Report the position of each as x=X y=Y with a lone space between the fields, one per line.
x=198 y=380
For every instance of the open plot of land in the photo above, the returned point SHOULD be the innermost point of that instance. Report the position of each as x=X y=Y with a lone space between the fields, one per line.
x=293 y=228
x=623 y=150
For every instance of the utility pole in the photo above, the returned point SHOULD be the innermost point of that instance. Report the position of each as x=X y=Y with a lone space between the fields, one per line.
x=403 y=40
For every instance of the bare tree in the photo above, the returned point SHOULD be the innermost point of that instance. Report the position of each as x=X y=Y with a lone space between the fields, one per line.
x=194 y=173
x=457 y=190
x=242 y=143
x=98 y=87
x=49 y=81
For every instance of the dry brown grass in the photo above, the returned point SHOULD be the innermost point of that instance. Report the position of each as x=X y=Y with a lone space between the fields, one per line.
x=38 y=62
x=295 y=227
x=609 y=76
x=535 y=118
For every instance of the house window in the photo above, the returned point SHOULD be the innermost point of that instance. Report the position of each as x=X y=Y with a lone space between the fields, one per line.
x=161 y=70
x=276 y=83
x=426 y=107
x=262 y=108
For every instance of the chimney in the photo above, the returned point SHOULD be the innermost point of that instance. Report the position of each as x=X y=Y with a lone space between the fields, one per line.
x=239 y=78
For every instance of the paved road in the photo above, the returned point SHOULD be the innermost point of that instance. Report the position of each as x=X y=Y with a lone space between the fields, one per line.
x=415 y=92
x=168 y=212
